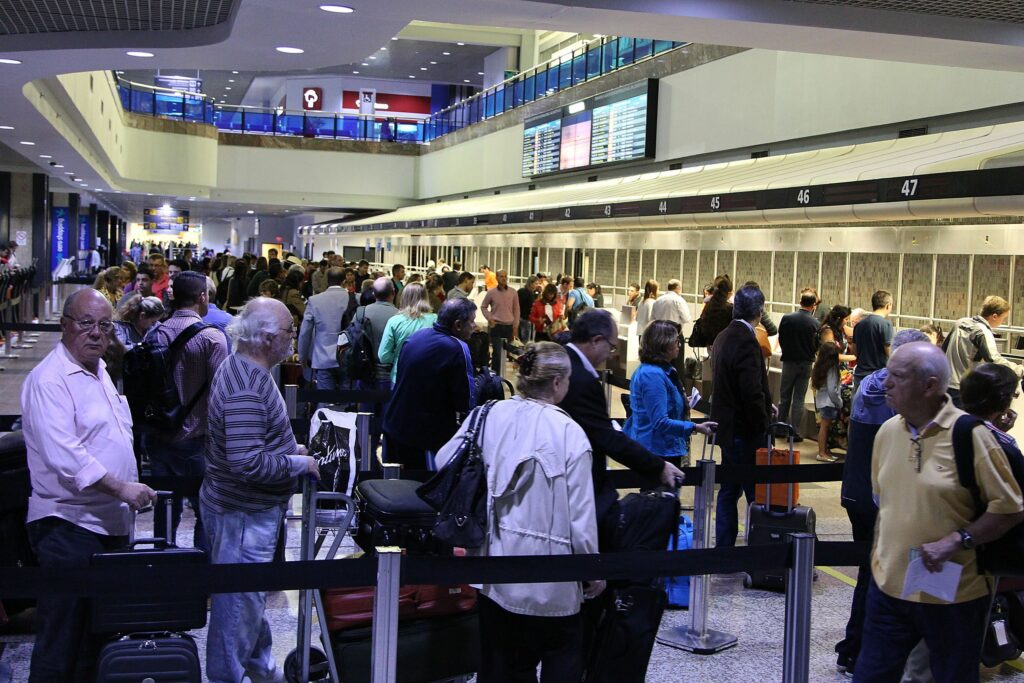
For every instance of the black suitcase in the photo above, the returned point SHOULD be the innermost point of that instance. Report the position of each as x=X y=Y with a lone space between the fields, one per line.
x=156 y=657
x=392 y=514
x=622 y=647
x=144 y=614
x=15 y=488
x=428 y=650
x=765 y=526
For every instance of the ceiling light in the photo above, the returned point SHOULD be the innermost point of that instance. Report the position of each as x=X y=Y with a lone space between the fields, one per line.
x=290 y=50
x=45 y=156
x=250 y=212
x=337 y=9
x=231 y=80
x=460 y=44
x=423 y=68
x=364 y=64
x=58 y=165
x=384 y=48
x=355 y=72
x=69 y=173
x=26 y=142
x=433 y=62
x=191 y=199
x=446 y=54
x=6 y=127
x=373 y=57
x=234 y=72
x=395 y=38
x=138 y=53
x=465 y=80
x=227 y=87
x=6 y=60
x=411 y=76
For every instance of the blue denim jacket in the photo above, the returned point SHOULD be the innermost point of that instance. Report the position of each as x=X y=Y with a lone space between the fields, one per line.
x=658 y=408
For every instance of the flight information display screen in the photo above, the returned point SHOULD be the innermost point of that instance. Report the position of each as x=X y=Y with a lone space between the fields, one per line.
x=613 y=127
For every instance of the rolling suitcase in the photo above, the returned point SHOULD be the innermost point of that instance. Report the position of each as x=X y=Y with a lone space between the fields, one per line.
x=779 y=493
x=769 y=522
x=625 y=635
x=392 y=514
x=149 y=646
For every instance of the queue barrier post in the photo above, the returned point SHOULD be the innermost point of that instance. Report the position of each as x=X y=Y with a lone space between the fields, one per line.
x=385 y=616
x=291 y=400
x=502 y=359
x=363 y=441
x=796 y=646
x=607 y=390
x=8 y=346
x=698 y=638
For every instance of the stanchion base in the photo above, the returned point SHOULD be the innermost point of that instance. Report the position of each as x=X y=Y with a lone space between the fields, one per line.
x=683 y=638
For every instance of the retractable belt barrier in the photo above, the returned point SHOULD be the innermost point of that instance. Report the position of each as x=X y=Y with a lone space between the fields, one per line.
x=167 y=580
x=31 y=327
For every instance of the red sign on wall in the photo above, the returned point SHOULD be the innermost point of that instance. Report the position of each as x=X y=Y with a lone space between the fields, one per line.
x=312 y=99
x=387 y=103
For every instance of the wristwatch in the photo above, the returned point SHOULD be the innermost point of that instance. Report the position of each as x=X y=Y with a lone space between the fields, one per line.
x=966 y=540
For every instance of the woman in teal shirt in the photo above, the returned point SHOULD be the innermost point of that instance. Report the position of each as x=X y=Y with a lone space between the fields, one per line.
x=659 y=409
x=414 y=315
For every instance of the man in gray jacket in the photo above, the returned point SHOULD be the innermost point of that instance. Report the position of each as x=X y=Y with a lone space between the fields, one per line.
x=377 y=315
x=321 y=324
x=971 y=342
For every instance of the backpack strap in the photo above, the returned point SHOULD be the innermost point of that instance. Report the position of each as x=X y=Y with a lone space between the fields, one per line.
x=963 y=452
x=176 y=347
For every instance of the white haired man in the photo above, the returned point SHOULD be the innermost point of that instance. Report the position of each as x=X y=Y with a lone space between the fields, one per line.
x=253 y=464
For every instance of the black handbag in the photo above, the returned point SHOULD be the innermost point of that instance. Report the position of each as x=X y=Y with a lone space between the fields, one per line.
x=459 y=490
x=642 y=521
x=1000 y=643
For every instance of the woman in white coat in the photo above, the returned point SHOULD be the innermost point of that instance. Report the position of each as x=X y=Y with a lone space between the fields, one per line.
x=540 y=502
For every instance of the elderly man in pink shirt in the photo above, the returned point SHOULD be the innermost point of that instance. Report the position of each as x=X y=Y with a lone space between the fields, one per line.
x=501 y=308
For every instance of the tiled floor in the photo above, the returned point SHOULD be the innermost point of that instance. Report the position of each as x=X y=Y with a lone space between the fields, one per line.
x=755 y=617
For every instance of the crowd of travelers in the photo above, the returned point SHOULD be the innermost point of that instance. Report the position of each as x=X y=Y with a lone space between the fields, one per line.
x=890 y=401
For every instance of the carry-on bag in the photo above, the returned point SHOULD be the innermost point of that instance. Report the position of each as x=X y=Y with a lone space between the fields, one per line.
x=141 y=614
x=625 y=636
x=642 y=521
x=392 y=514
x=350 y=608
x=15 y=488
x=428 y=650
x=677 y=588
x=156 y=657
x=782 y=495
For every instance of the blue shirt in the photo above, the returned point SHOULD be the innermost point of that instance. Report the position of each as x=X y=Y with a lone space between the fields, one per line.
x=658 y=410
x=219 y=319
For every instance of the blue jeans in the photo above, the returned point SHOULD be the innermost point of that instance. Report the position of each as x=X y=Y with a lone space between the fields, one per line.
x=742 y=451
x=893 y=627
x=328 y=379
x=64 y=649
x=185 y=458
x=238 y=642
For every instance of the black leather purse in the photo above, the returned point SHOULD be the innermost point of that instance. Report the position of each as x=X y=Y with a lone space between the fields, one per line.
x=459 y=490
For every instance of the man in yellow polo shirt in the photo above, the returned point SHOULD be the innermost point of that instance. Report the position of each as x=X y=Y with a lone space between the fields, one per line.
x=925 y=513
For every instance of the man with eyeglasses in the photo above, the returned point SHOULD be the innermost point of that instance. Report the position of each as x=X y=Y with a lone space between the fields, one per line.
x=183 y=452
x=78 y=432
x=926 y=517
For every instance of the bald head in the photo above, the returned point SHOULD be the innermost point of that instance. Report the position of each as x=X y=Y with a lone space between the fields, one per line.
x=926 y=360
x=86 y=325
x=917 y=382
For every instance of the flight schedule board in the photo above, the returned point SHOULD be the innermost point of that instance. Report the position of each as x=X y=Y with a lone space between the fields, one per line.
x=165 y=220
x=612 y=127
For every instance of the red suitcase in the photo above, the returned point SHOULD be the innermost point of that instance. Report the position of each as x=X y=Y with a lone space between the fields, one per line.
x=350 y=608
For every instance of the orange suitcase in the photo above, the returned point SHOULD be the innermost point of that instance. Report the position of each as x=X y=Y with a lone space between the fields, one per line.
x=778 y=496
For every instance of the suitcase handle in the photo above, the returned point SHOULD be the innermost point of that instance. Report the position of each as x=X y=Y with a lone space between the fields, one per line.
x=168 y=540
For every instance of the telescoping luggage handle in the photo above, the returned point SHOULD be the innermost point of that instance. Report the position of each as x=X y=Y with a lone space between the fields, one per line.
x=790 y=431
x=709 y=445
x=168 y=539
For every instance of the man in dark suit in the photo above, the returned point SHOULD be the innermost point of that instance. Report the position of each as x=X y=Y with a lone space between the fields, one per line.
x=741 y=403
x=594 y=338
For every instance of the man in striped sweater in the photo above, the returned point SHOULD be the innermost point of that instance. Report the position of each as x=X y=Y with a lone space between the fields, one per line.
x=253 y=464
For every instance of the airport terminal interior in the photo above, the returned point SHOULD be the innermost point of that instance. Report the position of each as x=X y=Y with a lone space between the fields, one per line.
x=848 y=146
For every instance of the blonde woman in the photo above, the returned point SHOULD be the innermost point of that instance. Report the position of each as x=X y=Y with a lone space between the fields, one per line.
x=109 y=283
x=414 y=315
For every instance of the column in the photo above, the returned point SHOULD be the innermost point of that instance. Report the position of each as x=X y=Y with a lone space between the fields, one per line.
x=74 y=207
x=5 y=207
x=41 y=226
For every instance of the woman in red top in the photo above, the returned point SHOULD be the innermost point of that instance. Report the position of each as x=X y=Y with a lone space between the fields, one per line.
x=547 y=314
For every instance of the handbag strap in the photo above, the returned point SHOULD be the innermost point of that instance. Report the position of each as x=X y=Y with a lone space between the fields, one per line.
x=477 y=418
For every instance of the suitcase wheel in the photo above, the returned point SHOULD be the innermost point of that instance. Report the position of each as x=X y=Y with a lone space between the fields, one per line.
x=318 y=669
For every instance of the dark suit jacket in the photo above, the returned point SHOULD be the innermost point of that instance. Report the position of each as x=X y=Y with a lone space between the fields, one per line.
x=586 y=405
x=741 y=402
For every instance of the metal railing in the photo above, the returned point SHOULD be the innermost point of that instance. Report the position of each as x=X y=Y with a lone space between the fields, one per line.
x=593 y=60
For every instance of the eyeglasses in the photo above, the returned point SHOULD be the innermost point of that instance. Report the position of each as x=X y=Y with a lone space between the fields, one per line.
x=87 y=325
x=290 y=329
x=614 y=348
x=915 y=457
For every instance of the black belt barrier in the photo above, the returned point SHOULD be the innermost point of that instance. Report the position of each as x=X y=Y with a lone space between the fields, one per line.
x=343 y=396
x=31 y=327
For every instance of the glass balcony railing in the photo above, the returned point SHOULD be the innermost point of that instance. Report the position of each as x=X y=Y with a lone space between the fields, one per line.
x=593 y=60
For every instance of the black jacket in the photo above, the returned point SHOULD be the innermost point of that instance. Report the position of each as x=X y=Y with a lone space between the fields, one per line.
x=586 y=405
x=741 y=402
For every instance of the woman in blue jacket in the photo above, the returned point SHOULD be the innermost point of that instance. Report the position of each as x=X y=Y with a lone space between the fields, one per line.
x=656 y=400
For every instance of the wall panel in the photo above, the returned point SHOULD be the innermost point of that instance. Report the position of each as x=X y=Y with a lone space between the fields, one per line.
x=669 y=267
x=869 y=273
x=688 y=272
x=951 y=286
x=707 y=267
x=833 y=279
x=916 y=297
x=991 y=276
x=782 y=291
x=754 y=265
x=604 y=267
x=806 y=271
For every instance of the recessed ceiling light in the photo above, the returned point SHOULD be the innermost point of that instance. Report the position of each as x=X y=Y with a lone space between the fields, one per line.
x=231 y=80
x=446 y=54
x=191 y=199
x=384 y=48
x=373 y=56
x=6 y=60
x=6 y=127
x=355 y=72
x=364 y=64
x=465 y=80
x=227 y=87
x=423 y=68
x=234 y=72
x=45 y=156
x=138 y=53
x=460 y=44
x=479 y=73
x=250 y=212
x=26 y=142
x=337 y=9
x=58 y=165
x=69 y=173
x=411 y=76
x=433 y=62
x=290 y=50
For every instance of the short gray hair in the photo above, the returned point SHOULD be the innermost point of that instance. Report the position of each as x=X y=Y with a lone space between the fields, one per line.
x=249 y=328
x=674 y=284
x=748 y=303
x=455 y=310
x=906 y=337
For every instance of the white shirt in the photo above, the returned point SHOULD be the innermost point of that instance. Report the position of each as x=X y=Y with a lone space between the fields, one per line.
x=77 y=429
x=670 y=306
x=586 y=362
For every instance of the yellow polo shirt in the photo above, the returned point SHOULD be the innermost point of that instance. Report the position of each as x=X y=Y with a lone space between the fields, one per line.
x=915 y=508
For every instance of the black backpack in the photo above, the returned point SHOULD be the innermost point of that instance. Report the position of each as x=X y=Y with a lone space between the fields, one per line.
x=490 y=386
x=149 y=383
x=1005 y=555
x=358 y=358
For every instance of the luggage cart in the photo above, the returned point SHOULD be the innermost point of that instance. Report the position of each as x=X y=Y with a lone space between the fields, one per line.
x=306 y=663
